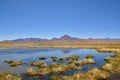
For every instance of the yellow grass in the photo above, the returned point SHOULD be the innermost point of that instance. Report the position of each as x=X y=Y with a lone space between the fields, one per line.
x=8 y=77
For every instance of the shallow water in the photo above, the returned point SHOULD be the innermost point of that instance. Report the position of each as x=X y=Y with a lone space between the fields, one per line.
x=28 y=55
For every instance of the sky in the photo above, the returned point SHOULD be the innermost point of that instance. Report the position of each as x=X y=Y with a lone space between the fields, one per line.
x=54 y=18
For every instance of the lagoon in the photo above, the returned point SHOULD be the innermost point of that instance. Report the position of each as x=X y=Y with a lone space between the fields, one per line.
x=28 y=55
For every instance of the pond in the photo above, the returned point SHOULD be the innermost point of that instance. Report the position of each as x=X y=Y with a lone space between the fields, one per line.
x=28 y=55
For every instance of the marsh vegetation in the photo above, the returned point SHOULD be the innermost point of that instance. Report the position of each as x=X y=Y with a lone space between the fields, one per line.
x=8 y=77
x=14 y=63
x=72 y=62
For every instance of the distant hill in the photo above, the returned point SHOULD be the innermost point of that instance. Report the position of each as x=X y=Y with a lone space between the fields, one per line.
x=65 y=39
x=26 y=40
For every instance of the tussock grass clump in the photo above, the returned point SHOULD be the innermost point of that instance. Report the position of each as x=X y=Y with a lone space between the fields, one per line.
x=108 y=59
x=74 y=57
x=89 y=56
x=63 y=67
x=108 y=67
x=85 y=62
x=51 y=69
x=14 y=63
x=39 y=64
x=9 y=61
x=110 y=50
x=9 y=77
x=55 y=77
x=40 y=72
x=60 y=60
x=45 y=69
x=82 y=62
x=98 y=74
x=113 y=65
x=71 y=62
x=54 y=58
x=42 y=58
x=32 y=72
x=58 y=67
x=78 y=76
x=73 y=66
x=94 y=74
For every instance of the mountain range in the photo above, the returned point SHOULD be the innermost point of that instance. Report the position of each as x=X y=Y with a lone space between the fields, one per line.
x=64 y=37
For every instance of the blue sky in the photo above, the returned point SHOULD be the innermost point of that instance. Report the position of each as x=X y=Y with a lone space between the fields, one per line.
x=54 y=18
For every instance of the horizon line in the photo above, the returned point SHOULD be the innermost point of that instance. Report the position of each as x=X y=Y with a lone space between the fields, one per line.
x=58 y=37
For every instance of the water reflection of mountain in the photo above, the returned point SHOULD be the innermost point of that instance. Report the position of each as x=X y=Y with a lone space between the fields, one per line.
x=24 y=50
x=66 y=51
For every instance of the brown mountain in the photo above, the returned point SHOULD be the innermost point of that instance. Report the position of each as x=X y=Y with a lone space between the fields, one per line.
x=64 y=40
x=66 y=37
